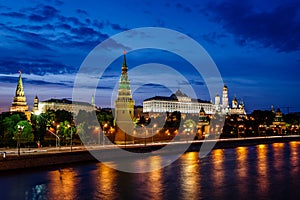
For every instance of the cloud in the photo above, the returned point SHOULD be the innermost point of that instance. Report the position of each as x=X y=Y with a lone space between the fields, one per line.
x=213 y=37
x=41 y=82
x=34 y=44
x=33 y=66
x=14 y=15
x=79 y=11
x=277 y=27
x=117 y=27
x=184 y=8
x=42 y=13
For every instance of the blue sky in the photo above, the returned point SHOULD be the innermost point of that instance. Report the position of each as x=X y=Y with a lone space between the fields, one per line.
x=254 y=44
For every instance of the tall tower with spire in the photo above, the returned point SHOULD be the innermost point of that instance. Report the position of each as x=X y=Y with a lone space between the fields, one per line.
x=35 y=109
x=19 y=103
x=225 y=97
x=124 y=108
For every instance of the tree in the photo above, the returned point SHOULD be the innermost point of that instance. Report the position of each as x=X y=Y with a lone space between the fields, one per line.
x=9 y=124
x=39 y=126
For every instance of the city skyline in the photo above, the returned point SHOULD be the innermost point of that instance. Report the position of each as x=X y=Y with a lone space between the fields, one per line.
x=257 y=53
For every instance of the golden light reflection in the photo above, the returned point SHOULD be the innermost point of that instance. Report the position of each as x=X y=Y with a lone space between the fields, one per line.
x=242 y=169
x=190 y=176
x=294 y=146
x=62 y=184
x=105 y=180
x=262 y=168
x=241 y=156
x=278 y=155
x=154 y=181
x=218 y=168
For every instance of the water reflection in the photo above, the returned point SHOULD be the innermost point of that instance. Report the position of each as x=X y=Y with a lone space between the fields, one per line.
x=62 y=184
x=262 y=169
x=105 y=180
x=190 y=176
x=154 y=179
x=218 y=172
x=242 y=169
x=294 y=159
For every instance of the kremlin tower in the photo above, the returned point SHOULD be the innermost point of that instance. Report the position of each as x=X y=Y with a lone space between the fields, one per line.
x=124 y=108
x=19 y=104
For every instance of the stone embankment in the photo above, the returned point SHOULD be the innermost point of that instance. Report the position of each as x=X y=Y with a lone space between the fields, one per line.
x=35 y=160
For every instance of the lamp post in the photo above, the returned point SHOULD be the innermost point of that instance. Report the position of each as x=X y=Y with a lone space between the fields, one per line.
x=145 y=135
x=187 y=133
x=57 y=138
x=154 y=126
x=69 y=126
x=104 y=132
x=20 y=129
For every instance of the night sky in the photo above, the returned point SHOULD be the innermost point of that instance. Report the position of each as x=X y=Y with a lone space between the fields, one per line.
x=255 y=45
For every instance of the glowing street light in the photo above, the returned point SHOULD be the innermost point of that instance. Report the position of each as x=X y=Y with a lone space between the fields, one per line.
x=103 y=133
x=20 y=129
x=69 y=126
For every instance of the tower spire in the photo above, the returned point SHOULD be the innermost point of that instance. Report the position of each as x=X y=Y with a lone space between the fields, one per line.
x=124 y=65
x=19 y=103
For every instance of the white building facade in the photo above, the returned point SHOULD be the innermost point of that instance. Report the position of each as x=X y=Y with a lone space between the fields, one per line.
x=177 y=102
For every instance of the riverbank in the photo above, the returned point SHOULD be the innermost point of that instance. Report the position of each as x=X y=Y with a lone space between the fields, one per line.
x=81 y=155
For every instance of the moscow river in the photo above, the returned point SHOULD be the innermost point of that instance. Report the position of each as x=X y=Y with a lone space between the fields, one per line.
x=266 y=171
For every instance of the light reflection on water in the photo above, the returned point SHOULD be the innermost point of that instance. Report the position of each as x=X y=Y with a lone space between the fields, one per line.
x=269 y=171
x=242 y=170
x=190 y=176
x=262 y=169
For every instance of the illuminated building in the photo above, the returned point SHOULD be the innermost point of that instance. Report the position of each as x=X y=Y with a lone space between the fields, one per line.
x=176 y=102
x=225 y=103
x=203 y=125
x=61 y=104
x=237 y=108
x=19 y=103
x=278 y=124
x=124 y=108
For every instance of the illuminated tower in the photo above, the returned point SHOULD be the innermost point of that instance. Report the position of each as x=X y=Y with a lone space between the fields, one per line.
x=35 y=109
x=225 y=97
x=124 y=108
x=217 y=102
x=19 y=103
x=234 y=103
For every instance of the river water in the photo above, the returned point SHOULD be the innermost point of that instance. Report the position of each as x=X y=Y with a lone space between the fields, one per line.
x=268 y=171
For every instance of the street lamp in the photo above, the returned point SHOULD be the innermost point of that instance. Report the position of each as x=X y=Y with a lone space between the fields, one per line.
x=154 y=126
x=20 y=129
x=104 y=132
x=57 y=138
x=69 y=126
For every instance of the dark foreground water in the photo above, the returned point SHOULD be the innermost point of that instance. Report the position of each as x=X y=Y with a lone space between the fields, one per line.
x=255 y=172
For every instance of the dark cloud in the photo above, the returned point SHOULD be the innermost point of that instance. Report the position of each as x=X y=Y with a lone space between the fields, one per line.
x=183 y=7
x=213 y=37
x=278 y=28
x=104 y=87
x=33 y=66
x=35 y=45
x=8 y=79
x=56 y=2
x=42 y=13
x=79 y=11
x=14 y=15
x=197 y=82
x=41 y=82
x=117 y=27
